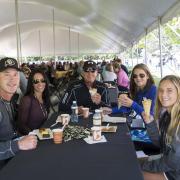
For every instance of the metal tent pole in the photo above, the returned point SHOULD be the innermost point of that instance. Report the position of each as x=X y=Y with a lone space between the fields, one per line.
x=78 y=44
x=69 y=41
x=160 y=46
x=137 y=53
x=39 y=34
x=20 y=45
x=145 y=48
x=132 y=55
x=17 y=31
x=54 y=43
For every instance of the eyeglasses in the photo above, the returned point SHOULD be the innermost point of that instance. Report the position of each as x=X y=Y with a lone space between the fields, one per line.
x=36 y=81
x=90 y=70
x=140 y=75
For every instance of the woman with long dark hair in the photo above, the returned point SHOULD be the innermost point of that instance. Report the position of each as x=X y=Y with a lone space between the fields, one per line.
x=35 y=105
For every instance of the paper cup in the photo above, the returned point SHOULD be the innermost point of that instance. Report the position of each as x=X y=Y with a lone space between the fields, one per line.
x=121 y=96
x=85 y=112
x=96 y=133
x=119 y=103
x=65 y=118
x=57 y=136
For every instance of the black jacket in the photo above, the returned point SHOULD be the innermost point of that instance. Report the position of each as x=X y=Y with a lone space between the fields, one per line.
x=169 y=161
x=8 y=146
x=79 y=92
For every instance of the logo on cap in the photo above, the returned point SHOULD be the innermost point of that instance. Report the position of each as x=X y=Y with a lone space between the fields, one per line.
x=9 y=62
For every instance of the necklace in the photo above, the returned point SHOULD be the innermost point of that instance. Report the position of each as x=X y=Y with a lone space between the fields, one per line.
x=44 y=111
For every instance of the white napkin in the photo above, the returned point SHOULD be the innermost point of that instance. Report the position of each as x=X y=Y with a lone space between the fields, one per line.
x=110 y=119
x=34 y=132
x=141 y=154
x=89 y=140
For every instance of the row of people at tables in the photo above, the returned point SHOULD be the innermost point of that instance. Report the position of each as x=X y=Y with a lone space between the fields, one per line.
x=116 y=71
x=35 y=106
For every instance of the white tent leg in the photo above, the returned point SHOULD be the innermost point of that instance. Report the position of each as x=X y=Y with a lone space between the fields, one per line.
x=137 y=54
x=78 y=44
x=54 y=42
x=69 y=41
x=145 y=47
x=132 y=55
x=160 y=46
x=17 y=32
x=39 y=33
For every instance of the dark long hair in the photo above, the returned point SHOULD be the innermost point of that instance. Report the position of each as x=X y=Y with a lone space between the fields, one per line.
x=133 y=86
x=30 y=87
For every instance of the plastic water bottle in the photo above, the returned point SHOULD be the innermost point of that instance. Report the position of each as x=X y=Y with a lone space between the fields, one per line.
x=74 y=109
x=97 y=118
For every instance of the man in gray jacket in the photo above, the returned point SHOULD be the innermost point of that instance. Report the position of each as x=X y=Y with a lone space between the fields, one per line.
x=9 y=82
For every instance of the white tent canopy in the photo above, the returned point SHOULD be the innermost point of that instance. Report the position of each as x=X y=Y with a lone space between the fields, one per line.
x=81 y=26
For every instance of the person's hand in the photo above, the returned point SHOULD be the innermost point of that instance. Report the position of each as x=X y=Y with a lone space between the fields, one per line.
x=80 y=110
x=96 y=98
x=125 y=100
x=27 y=142
x=147 y=119
x=106 y=110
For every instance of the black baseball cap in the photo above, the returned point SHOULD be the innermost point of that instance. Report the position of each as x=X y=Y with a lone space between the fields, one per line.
x=8 y=62
x=89 y=66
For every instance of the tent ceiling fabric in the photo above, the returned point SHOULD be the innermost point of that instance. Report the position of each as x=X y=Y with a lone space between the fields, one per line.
x=104 y=26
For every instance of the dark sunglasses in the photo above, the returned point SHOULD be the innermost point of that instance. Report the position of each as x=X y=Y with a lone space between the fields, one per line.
x=36 y=81
x=140 y=75
x=90 y=70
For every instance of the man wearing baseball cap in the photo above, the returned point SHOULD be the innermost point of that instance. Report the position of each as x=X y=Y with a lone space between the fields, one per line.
x=80 y=91
x=9 y=82
x=8 y=63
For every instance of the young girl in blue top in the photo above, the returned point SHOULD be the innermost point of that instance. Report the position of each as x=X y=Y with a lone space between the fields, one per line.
x=141 y=86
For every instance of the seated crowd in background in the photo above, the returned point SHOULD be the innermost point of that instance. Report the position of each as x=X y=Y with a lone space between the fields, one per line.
x=109 y=74
x=122 y=77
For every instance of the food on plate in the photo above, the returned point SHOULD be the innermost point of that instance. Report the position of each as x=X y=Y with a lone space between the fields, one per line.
x=108 y=129
x=44 y=132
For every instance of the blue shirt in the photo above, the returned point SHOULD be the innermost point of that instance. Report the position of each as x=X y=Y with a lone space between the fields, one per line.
x=137 y=103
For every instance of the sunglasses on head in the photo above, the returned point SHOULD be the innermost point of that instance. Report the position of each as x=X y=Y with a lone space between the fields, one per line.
x=90 y=62
x=140 y=75
x=36 y=81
